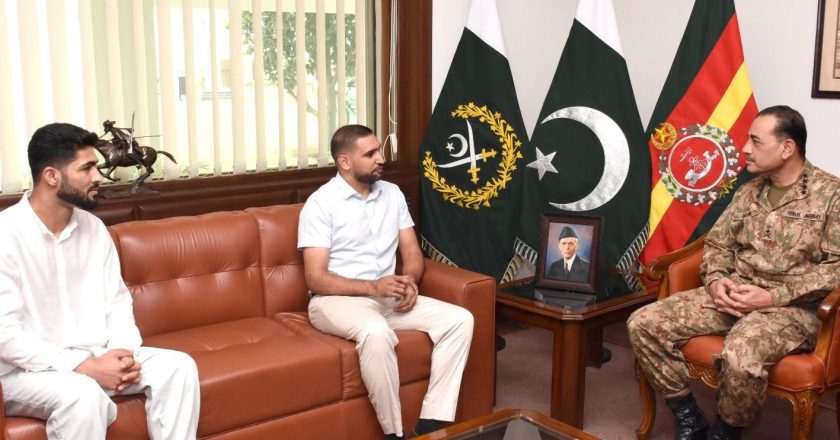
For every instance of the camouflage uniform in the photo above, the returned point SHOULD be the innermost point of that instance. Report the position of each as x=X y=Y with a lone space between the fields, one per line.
x=792 y=251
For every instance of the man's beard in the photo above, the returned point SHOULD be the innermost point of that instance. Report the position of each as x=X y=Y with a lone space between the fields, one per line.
x=77 y=198
x=369 y=178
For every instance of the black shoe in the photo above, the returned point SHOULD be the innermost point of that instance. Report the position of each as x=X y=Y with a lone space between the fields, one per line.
x=724 y=431
x=606 y=355
x=394 y=437
x=500 y=343
x=425 y=426
x=691 y=425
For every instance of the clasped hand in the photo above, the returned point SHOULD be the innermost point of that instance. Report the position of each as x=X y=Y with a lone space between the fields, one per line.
x=738 y=300
x=115 y=370
x=399 y=287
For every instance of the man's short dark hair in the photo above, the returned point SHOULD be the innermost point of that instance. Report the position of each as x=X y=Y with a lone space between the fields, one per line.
x=346 y=137
x=789 y=124
x=55 y=145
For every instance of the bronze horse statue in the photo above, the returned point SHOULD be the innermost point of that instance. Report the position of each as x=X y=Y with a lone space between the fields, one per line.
x=123 y=151
x=118 y=156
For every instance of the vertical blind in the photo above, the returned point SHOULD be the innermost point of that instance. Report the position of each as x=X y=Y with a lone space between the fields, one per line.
x=226 y=86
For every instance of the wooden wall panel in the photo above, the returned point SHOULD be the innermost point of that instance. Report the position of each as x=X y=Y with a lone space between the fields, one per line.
x=414 y=77
x=203 y=195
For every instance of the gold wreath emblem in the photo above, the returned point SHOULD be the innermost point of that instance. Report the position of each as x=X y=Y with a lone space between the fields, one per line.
x=663 y=137
x=511 y=152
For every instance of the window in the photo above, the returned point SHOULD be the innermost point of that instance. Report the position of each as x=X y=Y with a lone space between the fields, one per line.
x=187 y=76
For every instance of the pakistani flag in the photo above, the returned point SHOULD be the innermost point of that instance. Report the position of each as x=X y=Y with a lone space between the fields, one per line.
x=472 y=154
x=588 y=155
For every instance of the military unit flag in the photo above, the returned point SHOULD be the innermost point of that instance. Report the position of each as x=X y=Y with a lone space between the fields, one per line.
x=698 y=127
x=472 y=153
x=587 y=154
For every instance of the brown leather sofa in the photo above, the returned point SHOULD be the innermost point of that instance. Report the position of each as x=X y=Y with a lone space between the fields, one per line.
x=228 y=288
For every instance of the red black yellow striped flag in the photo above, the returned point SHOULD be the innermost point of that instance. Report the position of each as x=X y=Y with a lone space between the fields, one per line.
x=697 y=130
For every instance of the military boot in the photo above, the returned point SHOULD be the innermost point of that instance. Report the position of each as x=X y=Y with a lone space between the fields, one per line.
x=691 y=425
x=724 y=431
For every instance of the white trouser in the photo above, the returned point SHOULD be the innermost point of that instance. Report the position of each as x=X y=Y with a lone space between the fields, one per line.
x=76 y=407
x=371 y=322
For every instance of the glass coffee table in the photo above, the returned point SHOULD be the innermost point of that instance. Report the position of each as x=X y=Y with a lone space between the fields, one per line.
x=509 y=424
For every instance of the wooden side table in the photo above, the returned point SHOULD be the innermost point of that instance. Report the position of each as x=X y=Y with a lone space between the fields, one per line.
x=577 y=338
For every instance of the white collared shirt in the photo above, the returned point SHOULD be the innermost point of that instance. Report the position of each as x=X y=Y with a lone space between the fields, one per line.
x=570 y=261
x=362 y=235
x=62 y=299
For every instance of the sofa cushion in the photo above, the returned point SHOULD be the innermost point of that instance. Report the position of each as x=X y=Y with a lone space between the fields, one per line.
x=256 y=369
x=414 y=353
x=280 y=261
x=131 y=422
x=171 y=266
x=129 y=425
x=25 y=428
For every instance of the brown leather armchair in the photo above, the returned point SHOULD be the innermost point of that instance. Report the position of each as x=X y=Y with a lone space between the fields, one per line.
x=799 y=378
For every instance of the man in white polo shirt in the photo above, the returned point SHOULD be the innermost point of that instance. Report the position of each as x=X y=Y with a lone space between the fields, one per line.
x=67 y=335
x=350 y=230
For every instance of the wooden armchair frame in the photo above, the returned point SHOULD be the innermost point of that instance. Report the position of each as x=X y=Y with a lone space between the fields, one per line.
x=680 y=270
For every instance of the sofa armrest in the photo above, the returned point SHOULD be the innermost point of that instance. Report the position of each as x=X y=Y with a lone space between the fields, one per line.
x=476 y=293
x=452 y=284
x=2 y=415
x=828 y=336
x=677 y=270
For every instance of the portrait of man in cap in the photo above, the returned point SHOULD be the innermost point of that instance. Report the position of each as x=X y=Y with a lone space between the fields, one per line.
x=570 y=266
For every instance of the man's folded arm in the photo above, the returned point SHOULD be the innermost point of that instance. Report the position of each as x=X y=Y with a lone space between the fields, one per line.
x=321 y=281
x=719 y=250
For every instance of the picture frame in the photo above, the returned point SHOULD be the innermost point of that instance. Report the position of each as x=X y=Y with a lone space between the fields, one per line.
x=826 y=80
x=556 y=232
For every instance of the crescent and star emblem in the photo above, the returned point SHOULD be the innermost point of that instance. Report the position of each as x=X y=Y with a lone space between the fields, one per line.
x=467 y=144
x=490 y=185
x=543 y=163
x=616 y=156
x=464 y=145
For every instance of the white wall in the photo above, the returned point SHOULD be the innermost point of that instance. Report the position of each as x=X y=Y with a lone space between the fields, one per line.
x=777 y=35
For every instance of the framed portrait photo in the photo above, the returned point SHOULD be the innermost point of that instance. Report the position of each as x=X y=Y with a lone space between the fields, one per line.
x=826 y=81
x=569 y=251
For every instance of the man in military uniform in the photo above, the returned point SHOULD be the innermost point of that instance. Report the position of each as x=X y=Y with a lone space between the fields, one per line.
x=570 y=266
x=770 y=259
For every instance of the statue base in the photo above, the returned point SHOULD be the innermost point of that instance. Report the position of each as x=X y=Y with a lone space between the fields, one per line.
x=130 y=191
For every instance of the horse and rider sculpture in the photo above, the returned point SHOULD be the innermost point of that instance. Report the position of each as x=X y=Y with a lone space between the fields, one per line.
x=122 y=150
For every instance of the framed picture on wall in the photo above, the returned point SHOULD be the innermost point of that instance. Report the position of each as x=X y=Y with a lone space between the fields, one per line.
x=569 y=251
x=826 y=82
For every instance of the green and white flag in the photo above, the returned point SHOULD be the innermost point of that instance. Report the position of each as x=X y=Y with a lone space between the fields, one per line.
x=588 y=154
x=471 y=156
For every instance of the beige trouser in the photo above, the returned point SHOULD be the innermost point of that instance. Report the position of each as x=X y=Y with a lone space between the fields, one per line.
x=76 y=407
x=752 y=345
x=371 y=322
